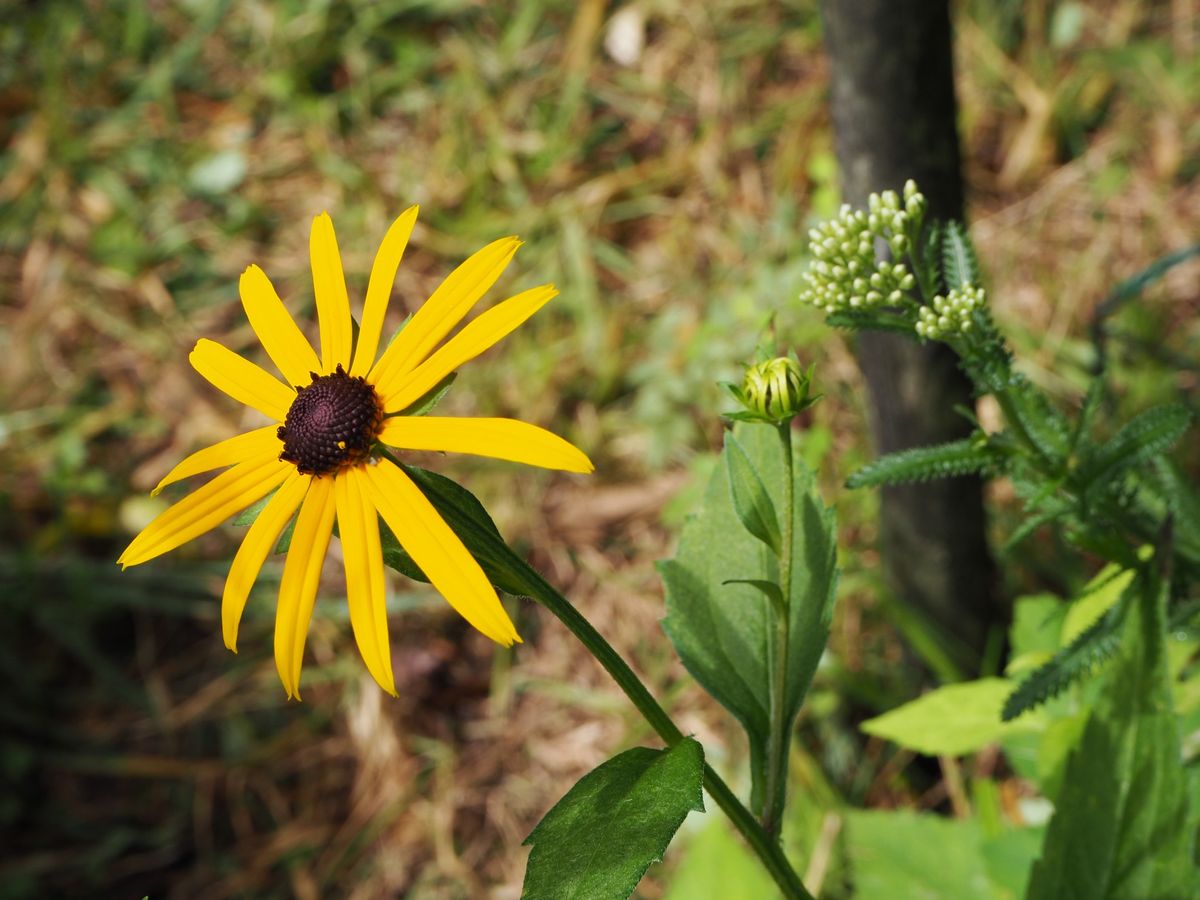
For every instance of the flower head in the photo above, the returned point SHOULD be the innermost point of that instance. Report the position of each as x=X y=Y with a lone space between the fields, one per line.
x=773 y=391
x=331 y=413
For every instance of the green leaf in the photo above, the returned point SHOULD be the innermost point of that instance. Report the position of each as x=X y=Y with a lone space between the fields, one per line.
x=750 y=498
x=953 y=720
x=251 y=512
x=960 y=267
x=923 y=463
x=769 y=589
x=903 y=855
x=1074 y=662
x=871 y=320
x=1122 y=826
x=1142 y=437
x=600 y=838
x=930 y=258
x=721 y=630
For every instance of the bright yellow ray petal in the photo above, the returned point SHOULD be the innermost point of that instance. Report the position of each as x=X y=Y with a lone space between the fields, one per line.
x=496 y=438
x=224 y=453
x=260 y=539
x=379 y=289
x=301 y=574
x=207 y=507
x=275 y=327
x=358 y=525
x=241 y=379
x=476 y=336
x=447 y=306
x=438 y=551
x=329 y=288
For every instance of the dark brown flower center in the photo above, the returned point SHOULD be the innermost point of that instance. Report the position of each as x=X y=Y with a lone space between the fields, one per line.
x=331 y=424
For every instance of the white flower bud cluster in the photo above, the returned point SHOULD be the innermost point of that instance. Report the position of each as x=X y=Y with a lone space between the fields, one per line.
x=952 y=314
x=845 y=273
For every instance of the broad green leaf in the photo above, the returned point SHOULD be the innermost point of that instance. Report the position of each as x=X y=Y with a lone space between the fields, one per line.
x=721 y=630
x=1033 y=637
x=598 y=840
x=904 y=855
x=750 y=497
x=716 y=865
x=953 y=720
x=1122 y=826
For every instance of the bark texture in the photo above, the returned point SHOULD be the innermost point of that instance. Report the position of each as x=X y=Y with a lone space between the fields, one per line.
x=894 y=114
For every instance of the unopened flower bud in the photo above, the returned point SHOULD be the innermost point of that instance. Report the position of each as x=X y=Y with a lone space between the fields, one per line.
x=776 y=390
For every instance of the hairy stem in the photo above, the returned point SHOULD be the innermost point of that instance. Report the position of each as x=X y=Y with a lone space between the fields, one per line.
x=779 y=738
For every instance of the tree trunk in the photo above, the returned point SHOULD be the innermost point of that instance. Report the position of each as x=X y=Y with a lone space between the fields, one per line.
x=894 y=117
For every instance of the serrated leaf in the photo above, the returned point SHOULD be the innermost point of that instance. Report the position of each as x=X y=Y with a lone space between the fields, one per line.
x=1122 y=826
x=924 y=463
x=953 y=720
x=931 y=258
x=600 y=838
x=1142 y=437
x=871 y=320
x=721 y=630
x=1079 y=659
x=750 y=498
x=960 y=267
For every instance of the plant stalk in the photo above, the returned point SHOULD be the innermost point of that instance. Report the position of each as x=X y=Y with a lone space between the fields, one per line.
x=765 y=846
x=779 y=738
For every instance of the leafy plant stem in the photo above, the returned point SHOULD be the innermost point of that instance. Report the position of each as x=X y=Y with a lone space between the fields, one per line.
x=778 y=738
x=1012 y=415
x=765 y=846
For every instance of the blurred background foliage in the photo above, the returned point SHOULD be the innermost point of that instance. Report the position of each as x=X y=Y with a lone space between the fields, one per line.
x=662 y=160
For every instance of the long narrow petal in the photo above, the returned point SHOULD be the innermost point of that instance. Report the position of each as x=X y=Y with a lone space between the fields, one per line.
x=476 y=336
x=224 y=453
x=207 y=507
x=438 y=551
x=260 y=539
x=329 y=288
x=358 y=525
x=447 y=306
x=379 y=289
x=497 y=438
x=275 y=327
x=241 y=379
x=301 y=574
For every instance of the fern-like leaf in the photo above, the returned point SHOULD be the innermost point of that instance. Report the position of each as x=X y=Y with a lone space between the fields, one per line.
x=1074 y=662
x=929 y=259
x=871 y=320
x=1143 y=437
x=1045 y=425
x=960 y=266
x=924 y=463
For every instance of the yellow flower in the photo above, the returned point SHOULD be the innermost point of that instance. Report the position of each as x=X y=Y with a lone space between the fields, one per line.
x=319 y=456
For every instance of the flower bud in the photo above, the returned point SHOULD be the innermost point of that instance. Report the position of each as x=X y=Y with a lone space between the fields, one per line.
x=776 y=390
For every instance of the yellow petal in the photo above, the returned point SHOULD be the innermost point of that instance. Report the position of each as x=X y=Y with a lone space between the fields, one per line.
x=329 y=288
x=224 y=453
x=358 y=525
x=260 y=539
x=379 y=289
x=476 y=336
x=497 y=438
x=275 y=327
x=447 y=306
x=437 y=550
x=241 y=379
x=301 y=574
x=207 y=507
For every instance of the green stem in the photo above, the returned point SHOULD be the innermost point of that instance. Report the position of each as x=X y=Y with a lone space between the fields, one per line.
x=779 y=738
x=767 y=849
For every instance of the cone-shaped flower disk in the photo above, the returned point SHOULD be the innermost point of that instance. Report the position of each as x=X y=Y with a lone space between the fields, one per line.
x=333 y=410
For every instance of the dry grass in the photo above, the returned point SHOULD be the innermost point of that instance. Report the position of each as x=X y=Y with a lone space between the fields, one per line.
x=667 y=198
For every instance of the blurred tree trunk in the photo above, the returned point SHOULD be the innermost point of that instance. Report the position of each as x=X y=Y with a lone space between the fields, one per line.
x=894 y=116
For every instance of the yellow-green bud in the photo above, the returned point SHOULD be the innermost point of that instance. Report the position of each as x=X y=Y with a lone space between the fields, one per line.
x=777 y=389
